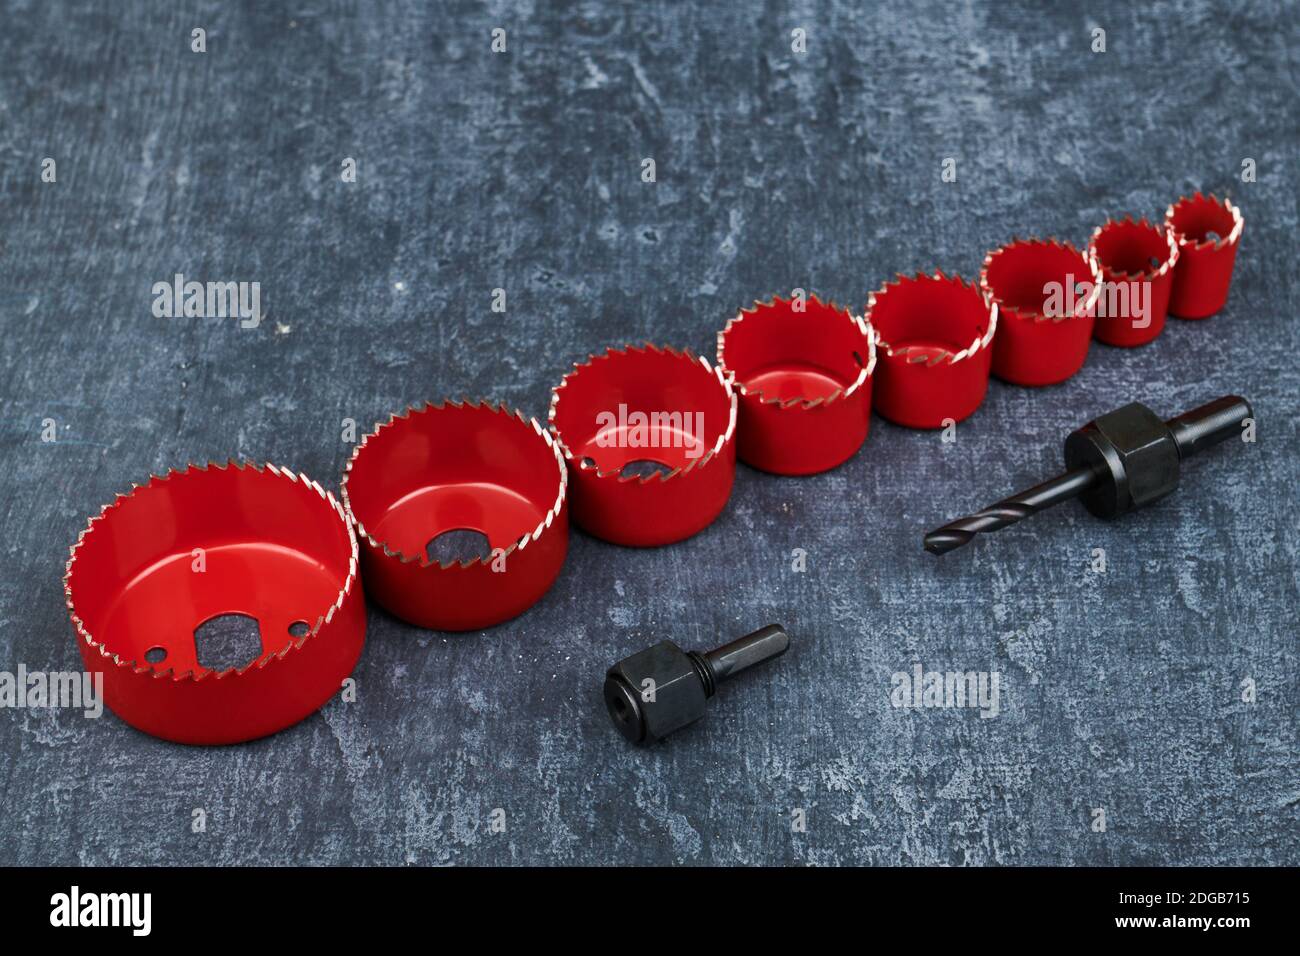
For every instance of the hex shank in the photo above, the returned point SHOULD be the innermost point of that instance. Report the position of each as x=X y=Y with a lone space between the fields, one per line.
x=727 y=661
x=1209 y=424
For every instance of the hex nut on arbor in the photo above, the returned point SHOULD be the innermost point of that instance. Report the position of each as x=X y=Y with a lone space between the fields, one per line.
x=1137 y=452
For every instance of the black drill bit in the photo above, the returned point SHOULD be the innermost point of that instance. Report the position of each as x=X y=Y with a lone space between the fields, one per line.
x=1010 y=510
x=1123 y=460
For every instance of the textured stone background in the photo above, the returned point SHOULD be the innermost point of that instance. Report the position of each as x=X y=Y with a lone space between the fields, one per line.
x=775 y=170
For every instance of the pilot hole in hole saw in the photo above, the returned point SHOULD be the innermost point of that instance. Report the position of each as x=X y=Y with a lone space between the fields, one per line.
x=228 y=640
x=644 y=468
x=636 y=468
x=458 y=544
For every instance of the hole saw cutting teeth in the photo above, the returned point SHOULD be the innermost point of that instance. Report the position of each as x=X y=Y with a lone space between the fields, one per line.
x=934 y=334
x=802 y=372
x=197 y=544
x=640 y=403
x=1046 y=293
x=1136 y=261
x=458 y=467
x=1208 y=232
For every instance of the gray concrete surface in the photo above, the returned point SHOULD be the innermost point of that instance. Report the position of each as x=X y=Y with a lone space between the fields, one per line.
x=521 y=171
